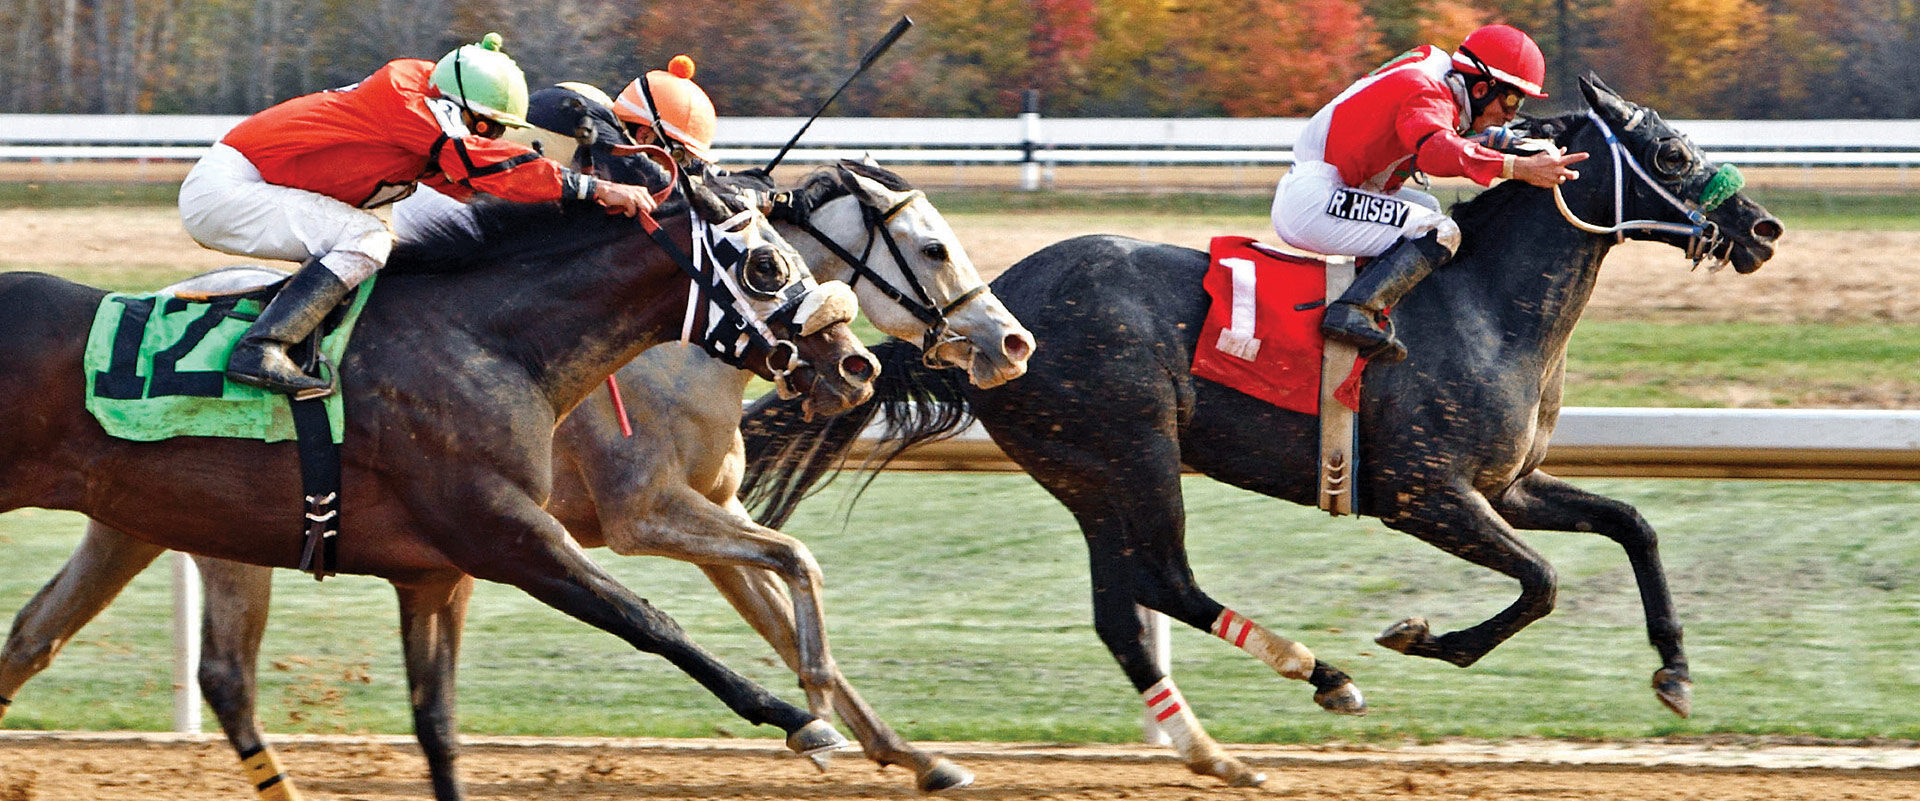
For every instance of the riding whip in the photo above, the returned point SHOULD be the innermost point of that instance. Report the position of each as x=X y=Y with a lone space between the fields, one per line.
x=873 y=54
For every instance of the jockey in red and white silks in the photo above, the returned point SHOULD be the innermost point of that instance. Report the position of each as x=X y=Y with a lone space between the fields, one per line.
x=1368 y=139
x=1344 y=194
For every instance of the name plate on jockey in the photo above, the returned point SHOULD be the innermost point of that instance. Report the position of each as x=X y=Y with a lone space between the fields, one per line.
x=1348 y=204
x=156 y=369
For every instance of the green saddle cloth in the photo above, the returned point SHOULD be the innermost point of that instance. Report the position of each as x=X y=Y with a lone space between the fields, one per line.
x=156 y=369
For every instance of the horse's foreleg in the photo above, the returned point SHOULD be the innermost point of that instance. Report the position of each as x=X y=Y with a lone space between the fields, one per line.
x=432 y=617
x=682 y=524
x=1540 y=501
x=237 y=597
x=98 y=570
x=764 y=603
x=528 y=549
x=1463 y=523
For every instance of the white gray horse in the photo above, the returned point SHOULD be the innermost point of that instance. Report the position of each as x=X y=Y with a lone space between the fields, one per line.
x=666 y=491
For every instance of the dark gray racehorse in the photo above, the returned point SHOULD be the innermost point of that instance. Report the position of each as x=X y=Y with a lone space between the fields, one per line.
x=1451 y=439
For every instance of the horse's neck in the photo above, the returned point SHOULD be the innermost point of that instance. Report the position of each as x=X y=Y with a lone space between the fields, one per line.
x=573 y=321
x=1530 y=278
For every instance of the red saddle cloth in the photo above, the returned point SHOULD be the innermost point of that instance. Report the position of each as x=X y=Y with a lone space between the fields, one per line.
x=1262 y=334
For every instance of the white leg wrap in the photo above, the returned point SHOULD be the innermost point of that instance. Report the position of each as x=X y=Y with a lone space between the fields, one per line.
x=1169 y=709
x=1286 y=657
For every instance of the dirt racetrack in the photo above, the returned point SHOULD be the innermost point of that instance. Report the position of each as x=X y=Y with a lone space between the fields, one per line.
x=151 y=767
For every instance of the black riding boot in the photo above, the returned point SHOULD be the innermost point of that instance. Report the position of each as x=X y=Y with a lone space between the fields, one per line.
x=1355 y=317
x=260 y=359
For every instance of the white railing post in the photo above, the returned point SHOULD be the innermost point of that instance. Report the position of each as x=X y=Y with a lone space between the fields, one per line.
x=186 y=644
x=1030 y=140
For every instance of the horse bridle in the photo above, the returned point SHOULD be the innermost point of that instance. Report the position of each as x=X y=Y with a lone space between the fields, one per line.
x=1704 y=237
x=920 y=304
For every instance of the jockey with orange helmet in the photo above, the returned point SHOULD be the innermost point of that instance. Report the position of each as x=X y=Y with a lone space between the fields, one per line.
x=1344 y=194
x=305 y=179
x=666 y=107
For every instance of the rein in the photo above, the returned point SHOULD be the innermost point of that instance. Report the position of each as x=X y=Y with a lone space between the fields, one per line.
x=920 y=304
x=1703 y=235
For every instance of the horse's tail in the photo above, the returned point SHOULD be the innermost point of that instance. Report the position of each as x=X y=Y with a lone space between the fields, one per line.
x=788 y=455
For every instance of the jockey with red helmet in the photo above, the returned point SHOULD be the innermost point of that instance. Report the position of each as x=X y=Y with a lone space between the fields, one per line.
x=305 y=181
x=1343 y=195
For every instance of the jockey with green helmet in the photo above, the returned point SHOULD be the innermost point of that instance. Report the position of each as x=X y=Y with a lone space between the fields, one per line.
x=1420 y=113
x=306 y=180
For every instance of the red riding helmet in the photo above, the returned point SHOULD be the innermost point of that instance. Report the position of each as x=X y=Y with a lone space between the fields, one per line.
x=1507 y=55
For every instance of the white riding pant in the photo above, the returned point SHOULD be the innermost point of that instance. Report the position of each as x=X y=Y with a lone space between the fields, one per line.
x=1313 y=209
x=228 y=207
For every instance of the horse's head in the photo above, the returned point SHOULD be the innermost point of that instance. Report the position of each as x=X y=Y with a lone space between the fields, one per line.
x=792 y=329
x=914 y=278
x=1695 y=202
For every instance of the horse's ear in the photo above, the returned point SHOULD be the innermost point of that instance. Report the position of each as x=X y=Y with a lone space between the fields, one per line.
x=1603 y=99
x=872 y=191
x=867 y=159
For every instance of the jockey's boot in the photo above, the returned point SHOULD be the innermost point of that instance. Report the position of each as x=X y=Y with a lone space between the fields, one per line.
x=260 y=359
x=1355 y=318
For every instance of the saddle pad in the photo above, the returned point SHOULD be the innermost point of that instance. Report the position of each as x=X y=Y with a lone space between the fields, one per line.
x=156 y=369
x=1262 y=332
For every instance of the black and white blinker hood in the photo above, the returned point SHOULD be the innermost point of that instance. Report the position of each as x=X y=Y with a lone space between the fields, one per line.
x=739 y=316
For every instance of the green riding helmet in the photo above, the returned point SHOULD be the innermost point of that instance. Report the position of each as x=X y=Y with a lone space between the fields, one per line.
x=486 y=81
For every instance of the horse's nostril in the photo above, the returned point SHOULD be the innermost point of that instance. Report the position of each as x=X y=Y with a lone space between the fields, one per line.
x=857 y=367
x=1767 y=229
x=1018 y=346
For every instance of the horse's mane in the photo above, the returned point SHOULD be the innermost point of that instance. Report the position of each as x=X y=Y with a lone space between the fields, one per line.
x=500 y=231
x=1495 y=205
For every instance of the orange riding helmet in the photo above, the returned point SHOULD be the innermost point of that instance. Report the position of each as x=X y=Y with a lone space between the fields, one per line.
x=685 y=112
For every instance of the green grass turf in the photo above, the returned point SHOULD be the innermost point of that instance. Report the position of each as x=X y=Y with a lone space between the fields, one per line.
x=958 y=604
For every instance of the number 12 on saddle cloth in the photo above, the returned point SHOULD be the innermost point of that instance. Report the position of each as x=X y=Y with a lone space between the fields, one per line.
x=1262 y=332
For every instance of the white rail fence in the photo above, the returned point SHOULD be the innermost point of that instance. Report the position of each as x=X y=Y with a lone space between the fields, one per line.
x=1029 y=139
x=1589 y=441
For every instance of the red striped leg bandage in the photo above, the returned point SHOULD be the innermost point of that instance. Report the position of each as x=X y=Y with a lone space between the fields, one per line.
x=1286 y=657
x=1170 y=712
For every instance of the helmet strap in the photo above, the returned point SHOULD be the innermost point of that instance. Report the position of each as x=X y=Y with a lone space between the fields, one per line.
x=659 y=126
x=459 y=83
x=1478 y=105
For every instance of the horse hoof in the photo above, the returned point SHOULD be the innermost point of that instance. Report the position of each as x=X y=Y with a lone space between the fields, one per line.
x=1675 y=690
x=1342 y=700
x=1406 y=635
x=1229 y=770
x=944 y=775
x=816 y=741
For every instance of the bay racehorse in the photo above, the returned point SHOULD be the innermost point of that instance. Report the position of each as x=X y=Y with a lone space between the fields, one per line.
x=667 y=490
x=478 y=340
x=1451 y=439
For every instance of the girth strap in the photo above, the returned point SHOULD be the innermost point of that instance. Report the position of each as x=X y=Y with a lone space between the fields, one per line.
x=320 y=483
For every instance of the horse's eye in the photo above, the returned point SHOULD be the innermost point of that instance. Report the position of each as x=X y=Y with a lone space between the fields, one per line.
x=765 y=273
x=935 y=251
x=1671 y=159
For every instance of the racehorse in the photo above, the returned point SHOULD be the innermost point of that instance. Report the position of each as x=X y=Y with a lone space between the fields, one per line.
x=477 y=341
x=1450 y=440
x=669 y=489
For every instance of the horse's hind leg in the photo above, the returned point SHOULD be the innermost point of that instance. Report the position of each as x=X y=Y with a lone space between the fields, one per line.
x=432 y=617
x=1123 y=486
x=237 y=598
x=1463 y=523
x=759 y=598
x=96 y=573
x=1540 y=501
